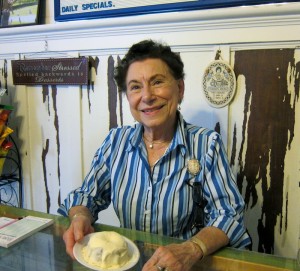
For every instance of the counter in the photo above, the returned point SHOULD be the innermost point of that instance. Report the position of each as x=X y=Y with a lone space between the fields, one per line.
x=45 y=250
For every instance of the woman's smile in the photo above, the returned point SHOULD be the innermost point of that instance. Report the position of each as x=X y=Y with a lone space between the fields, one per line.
x=152 y=109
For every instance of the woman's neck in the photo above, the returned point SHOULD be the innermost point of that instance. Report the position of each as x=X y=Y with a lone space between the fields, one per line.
x=159 y=137
x=157 y=144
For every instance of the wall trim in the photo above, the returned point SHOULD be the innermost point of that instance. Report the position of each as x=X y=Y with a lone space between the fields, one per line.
x=213 y=19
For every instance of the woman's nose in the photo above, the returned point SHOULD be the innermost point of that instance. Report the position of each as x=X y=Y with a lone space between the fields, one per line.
x=147 y=93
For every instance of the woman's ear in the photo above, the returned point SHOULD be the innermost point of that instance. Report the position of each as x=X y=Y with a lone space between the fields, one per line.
x=181 y=88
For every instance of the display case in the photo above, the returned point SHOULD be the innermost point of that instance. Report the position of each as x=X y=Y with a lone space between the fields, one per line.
x=10 y=162
x=11 y=177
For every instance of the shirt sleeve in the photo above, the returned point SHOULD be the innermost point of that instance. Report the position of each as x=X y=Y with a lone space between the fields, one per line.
x=95 y=192
x=225 y=205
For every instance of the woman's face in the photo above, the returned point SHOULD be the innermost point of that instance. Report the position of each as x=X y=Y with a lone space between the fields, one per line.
x=153 y=93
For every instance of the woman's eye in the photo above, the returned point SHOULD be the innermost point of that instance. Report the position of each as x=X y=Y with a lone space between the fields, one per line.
x=134 y=87
x=157 y=82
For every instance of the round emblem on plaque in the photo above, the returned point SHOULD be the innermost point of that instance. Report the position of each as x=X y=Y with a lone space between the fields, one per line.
x=219 y=83
x=193 y=166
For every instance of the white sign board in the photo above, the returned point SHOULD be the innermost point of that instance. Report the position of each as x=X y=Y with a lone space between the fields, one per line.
x=90 y=9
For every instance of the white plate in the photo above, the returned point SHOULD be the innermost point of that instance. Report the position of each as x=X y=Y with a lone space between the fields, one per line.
x=133 y=250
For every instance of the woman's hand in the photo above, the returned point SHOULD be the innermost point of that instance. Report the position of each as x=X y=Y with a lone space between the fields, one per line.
x=181 y=257
x=174 y=257
x=80 y=226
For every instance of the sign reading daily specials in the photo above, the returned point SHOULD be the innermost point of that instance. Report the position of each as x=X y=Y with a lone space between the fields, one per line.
x=83 y=6
x=65 y=10
x=59 y=71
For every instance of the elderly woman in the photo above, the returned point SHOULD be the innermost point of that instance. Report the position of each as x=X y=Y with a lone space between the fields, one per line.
x=162 y=175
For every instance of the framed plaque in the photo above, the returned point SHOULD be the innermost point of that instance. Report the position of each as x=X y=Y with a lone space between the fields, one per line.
x=89 y=9
x=52 y=71
x=219 y=83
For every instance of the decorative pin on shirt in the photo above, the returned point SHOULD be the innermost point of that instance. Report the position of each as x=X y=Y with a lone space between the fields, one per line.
x=194 y=166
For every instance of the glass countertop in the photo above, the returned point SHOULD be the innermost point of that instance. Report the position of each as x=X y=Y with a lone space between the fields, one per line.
x=45 y=250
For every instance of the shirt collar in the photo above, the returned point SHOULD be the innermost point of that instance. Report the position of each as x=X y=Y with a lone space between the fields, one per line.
x=136 y=137
x=179 y=139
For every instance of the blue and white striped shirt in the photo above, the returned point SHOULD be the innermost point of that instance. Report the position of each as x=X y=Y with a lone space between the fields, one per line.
x=161 y=201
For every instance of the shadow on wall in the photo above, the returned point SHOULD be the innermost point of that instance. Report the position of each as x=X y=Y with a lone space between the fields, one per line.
x=204 y=119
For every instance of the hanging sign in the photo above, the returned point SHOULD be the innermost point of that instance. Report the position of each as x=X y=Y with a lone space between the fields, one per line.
x=54 y=71
x=91 y=9
x=219 y=83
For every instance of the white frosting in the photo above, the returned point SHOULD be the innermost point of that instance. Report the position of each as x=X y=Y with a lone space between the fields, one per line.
x=106 y=249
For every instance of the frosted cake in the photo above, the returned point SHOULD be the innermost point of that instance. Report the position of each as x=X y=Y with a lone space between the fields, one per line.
x=107 y=250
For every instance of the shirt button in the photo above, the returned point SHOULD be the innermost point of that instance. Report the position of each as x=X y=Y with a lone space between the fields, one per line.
x=147 y=212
